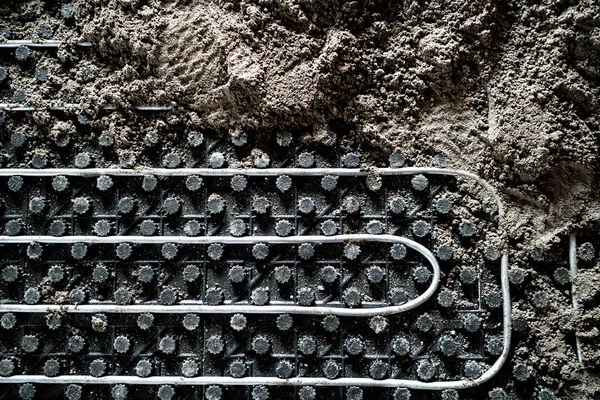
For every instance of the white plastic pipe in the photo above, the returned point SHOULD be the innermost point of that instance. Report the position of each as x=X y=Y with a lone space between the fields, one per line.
x=230 y=308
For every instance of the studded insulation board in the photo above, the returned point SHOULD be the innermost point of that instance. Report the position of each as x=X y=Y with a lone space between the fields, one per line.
x=188 y=272
x=311 y=277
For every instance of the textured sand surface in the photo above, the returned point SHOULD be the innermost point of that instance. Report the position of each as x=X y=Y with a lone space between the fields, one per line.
x=508 y=90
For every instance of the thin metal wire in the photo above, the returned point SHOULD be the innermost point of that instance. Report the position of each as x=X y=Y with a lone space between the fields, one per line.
x=42 y=44
x=573 y=270
x=18 y=108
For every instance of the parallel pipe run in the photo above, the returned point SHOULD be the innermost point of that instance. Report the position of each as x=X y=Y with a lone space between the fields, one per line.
x=297 y=381
x=253 y=172
x=231 y=308
x=573 y=270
